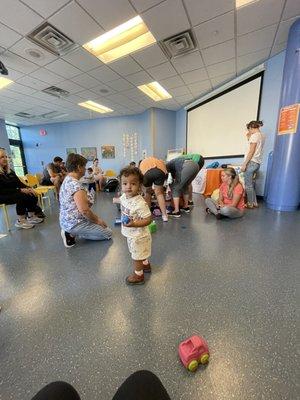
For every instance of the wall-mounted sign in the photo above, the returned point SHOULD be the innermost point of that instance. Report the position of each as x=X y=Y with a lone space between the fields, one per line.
x=288 y=119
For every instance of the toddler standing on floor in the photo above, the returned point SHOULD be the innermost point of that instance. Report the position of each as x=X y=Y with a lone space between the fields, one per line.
x=135 y=208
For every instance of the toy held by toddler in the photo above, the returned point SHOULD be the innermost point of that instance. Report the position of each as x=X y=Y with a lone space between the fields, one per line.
x=135 y=226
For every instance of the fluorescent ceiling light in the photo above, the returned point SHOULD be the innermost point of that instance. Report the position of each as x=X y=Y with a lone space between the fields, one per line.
x=91 y=105
x=4 y=82
x=155 y=91
x=243 y=3
x=131 y=36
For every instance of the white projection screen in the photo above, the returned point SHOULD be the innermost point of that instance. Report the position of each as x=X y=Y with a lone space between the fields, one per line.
x=216 y=128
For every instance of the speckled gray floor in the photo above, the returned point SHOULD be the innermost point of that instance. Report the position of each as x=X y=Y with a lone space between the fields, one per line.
x=67 y=314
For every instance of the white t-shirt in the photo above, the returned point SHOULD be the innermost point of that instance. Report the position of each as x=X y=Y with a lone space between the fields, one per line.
x=135 y=208
x=259 y=139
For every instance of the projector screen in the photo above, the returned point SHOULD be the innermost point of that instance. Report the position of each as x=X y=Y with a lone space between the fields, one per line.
x=216 y=128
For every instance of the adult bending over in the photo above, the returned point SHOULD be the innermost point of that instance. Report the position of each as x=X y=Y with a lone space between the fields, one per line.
x=13 y=191
x=98 y=174
x=252 y=160
x=155 y=173
x=231 y=197
x=75 y=216
x=184 y=169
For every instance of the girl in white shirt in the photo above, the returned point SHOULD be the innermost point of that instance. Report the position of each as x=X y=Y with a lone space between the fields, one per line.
x=252 y=160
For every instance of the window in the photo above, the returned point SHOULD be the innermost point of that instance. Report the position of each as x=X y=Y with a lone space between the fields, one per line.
x=16 y=148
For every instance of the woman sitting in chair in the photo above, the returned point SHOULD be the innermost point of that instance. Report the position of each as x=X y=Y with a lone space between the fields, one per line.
x=13 y=191
x=98 y=174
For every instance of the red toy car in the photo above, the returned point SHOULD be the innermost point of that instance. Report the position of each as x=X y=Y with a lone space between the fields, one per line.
x=193 y=351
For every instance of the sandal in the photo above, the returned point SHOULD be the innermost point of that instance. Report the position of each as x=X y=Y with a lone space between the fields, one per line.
x=207 y=210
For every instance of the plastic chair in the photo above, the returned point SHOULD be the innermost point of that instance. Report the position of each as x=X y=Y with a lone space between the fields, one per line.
x=6 y=216
x=110 y=173
x=41 y=191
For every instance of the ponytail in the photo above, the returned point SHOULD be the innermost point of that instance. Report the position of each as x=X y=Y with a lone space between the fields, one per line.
x=234 y=181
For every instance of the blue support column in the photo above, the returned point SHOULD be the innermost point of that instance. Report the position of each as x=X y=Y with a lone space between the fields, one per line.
x=284 y=182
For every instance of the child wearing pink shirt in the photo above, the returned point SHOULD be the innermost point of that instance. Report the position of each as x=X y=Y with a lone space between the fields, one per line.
x=231 y=197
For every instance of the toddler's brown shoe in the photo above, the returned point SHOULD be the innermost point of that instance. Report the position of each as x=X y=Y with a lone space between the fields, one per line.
x=135 y=279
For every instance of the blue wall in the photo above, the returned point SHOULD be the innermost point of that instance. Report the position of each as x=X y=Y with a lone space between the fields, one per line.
x=268 y=114
x=97 y=132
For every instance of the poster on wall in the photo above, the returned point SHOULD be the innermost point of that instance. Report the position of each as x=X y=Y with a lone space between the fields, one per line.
x=108 y=151
x=130 y=145
x=70 y=150
x=288 y=119
x=90 y=153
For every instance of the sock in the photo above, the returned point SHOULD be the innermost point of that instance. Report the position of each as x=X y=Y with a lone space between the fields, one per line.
x=139 y=273
x=146 y=262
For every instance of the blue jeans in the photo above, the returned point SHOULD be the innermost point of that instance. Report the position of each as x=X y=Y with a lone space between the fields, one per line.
x=252 y=168
x=90 y=231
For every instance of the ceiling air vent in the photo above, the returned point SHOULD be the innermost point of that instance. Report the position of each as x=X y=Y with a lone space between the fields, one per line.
x=51 y=39
x=25 y=115
x=53 y=115
x=56 y=92
x=179 y=44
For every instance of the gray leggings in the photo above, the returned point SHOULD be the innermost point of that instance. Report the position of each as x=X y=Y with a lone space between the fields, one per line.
x=181 y=183
x=227 y=211
x=90 y=231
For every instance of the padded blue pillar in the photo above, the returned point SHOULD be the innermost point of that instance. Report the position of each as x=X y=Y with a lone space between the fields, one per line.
x=284 y=183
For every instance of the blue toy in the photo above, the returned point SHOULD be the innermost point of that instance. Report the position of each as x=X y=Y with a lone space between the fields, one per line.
x=125 y=219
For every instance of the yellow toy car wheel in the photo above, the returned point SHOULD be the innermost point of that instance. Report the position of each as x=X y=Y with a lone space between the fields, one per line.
x=193 y=365
x=204 y=359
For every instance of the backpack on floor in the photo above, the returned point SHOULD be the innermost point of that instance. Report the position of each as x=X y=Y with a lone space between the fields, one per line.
x=111 y=185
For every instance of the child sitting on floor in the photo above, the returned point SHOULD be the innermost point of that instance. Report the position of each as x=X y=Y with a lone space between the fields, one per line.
x=90 y=179
x=231 y=197
x=135 y=208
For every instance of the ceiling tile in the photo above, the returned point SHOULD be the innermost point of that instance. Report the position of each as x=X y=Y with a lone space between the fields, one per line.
x=188 y=62
x=139 y=78
x=120 y=85
x=88 y=95
x=85 y=81
x=45 y=7
x=104 y=74
x=215 y=31
x=103 y=90
x=44 y=96
x=63 y=68
x=125 y=66
x=14 y=75
x=70 y=86
x=219 y=52
x=143 y=5
x=134 y=93
x=32 y=83
x=194 y=76
x=82 y=59
x=255 y=41
x=180 y=91
x=258 y=15
x=21 y=48
x=173 y=82
x=18 y=16
x=198 y=88
x=225 y=67
x=201 y=11
x=76 y=23
x=8 y=37
x=162 y=71
x=283 y=31
x=18 y=63
x=150 y=56
x=109 y=14
x=221 y=80
x=278 y=48
x=291 y=9
x=183 y=100
x=166 y=19
x=47 y=76
x=251 y=60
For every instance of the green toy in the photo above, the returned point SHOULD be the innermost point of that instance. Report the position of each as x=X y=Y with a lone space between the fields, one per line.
x=152 y=227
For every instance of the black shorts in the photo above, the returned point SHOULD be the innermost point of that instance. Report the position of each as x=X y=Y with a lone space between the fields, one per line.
x=156 y=176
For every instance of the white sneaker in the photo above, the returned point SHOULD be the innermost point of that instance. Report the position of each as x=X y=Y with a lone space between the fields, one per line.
x=34 y=220
x=23 y=224
x=165 y=218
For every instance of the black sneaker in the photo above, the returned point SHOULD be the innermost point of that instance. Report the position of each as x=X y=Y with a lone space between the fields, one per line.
x=185 y=209
x=69 y=241
x=190 y=203
x=175 y=214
